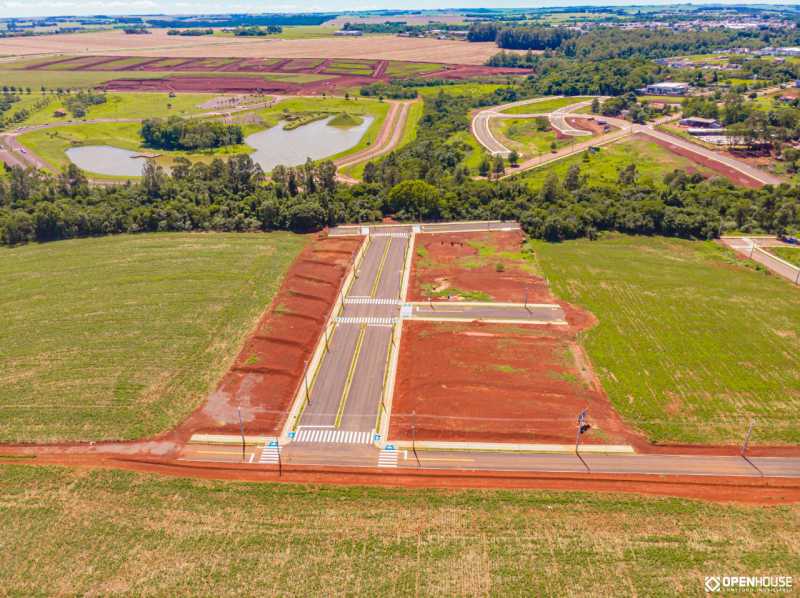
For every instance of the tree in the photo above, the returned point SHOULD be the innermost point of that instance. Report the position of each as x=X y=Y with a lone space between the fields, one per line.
x=498 y=165
x=484 y=167
x=595 y=106
x=414 y=198
x=572 y=182
x=627 y=176
x=513 y=158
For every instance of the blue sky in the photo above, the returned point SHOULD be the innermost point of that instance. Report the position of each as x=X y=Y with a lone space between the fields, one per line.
x=20 y=8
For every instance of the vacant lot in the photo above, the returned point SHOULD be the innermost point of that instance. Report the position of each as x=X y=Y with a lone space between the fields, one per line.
x=121 y=337
x=544 y=106
x=651 y=160
x=789 y=254
x=492 y=266
x=527 y=137
x=388 y=47
x=690 y=343
x=137 y=534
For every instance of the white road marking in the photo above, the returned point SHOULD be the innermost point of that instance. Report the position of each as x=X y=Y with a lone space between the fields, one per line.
x=388 y=458
x=333 y=436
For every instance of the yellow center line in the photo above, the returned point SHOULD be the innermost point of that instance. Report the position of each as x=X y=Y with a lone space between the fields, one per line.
x=380 y=268
x=349 y=381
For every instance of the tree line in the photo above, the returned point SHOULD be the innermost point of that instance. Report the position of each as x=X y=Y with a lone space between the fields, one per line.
x=425 y=179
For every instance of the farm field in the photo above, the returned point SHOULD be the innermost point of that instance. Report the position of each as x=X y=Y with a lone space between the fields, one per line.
x=121 y=337
x=385 y=47
x=544 y=106
x=691 y=343
x=652 y=162
x=145 y=534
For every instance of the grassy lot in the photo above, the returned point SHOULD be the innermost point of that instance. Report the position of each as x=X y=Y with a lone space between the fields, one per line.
x=466 y=89
x=789 y=254
x=524 y=136
x=691 y=343
x=652 y=163
x=544 y=106
x=138 y=534
x=121 y=337
x=129 y=105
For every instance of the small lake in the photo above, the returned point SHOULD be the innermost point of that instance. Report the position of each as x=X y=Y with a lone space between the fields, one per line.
x=315 y=140
x=273 y=146
x=105 y=159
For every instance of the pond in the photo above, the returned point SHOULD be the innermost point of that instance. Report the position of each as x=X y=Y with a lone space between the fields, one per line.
x=108 y=160
x=273 y=146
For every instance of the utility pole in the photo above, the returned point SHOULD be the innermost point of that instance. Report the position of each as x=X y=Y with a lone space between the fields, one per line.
x=747 y=437
x=582 y=427
x=305 y=377
x=241 y=431
x=414 y=437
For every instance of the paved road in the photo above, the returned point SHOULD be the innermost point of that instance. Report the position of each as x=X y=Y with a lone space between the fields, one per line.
x=390 y=135
x=428 y=228
x=348 y=388
x=558 y=119
x=751 y=247
x=751 y=171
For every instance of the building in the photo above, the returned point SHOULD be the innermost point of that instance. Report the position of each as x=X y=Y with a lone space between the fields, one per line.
x=349 y=33
x=700 y=123
x=667 y=88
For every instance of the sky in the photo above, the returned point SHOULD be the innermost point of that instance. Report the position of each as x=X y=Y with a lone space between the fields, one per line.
x=31 y=8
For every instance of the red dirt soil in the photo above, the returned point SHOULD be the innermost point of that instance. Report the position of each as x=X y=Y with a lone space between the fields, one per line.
x=499 y=383
x=266 y=374
x=440 y=269
x=731 y=174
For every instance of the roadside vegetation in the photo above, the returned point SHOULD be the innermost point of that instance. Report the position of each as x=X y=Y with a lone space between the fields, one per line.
x=121 y=337
x=691 y=341
x=147 y=534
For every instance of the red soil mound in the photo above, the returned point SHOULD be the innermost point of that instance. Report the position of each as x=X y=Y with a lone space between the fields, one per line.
x=443 y=267
x=266 y=374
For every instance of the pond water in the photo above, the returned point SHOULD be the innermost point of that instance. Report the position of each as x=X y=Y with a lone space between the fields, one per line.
x=105 y=159
x=315 y=140
x=273 y=146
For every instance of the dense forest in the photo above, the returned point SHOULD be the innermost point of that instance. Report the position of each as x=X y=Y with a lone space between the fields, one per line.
x=424 y=179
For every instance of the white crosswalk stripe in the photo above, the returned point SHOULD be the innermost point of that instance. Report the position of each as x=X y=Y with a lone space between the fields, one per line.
x=371 y=301
x=395 y=235
x=332 y=436
x=387 y=458
x=270 y=454
x=370 y=320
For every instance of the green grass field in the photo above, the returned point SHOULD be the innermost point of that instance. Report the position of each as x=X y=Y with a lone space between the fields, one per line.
x=411 y=69
x=788 y=254
x=652 y=163
x=121 y=337
x=690 y=343
x=96 y=532
x=128 y=105
x=544 y=106
x=524 y=136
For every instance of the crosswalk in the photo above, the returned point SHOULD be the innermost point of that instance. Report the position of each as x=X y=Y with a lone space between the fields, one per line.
x=332 y=436
x=270 y=454
x=369 y=320
x=394 y=235
x=388 y=458
x=359 y=300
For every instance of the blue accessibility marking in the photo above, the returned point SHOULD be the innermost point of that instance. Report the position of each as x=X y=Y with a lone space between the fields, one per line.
x=376 y=437
x=273 y=443
x=390 y=447
x=292 y=435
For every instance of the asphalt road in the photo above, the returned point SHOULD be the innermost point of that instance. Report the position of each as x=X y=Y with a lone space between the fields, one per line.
x=751 y=247
x=428 y=228
x=348 y=387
